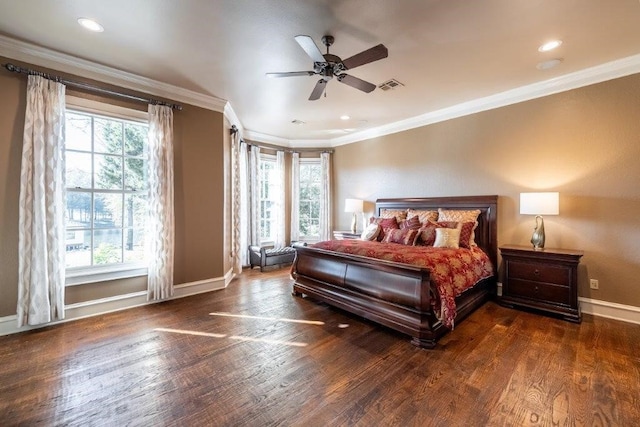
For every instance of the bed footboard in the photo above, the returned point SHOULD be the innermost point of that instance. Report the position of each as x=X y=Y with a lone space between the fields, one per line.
x=359 y=285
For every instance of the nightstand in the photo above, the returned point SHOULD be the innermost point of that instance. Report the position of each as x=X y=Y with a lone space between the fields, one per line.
x=544 y=279
x=345 y=235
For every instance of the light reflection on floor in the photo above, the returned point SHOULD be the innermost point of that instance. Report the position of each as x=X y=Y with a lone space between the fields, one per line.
x=233 y=337
x=276 y=319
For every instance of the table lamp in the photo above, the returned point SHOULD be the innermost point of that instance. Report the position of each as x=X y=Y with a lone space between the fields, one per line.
x=538 y=204
x=354 y=206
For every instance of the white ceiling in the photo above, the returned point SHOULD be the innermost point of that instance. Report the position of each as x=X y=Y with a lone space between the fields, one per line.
x=445 y=52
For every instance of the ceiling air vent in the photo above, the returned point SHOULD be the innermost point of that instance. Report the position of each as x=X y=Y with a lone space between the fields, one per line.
x=390 y=84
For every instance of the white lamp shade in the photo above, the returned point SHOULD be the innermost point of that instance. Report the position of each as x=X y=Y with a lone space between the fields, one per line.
x=547 y=203
x=353 y=205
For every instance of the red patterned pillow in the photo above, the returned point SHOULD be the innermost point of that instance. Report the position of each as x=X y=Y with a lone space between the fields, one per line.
x=405 y=236
x=413 y=223
x=385 y=224
x=427 y=234
x=466 y=231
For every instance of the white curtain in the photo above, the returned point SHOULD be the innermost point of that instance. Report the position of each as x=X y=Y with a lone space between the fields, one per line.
x=280 y=227
x=325 y=197
x=236 y=203
x=41 y=234
x=160 y=200
x=244 y=204
x=295 y=197
x=254 y=195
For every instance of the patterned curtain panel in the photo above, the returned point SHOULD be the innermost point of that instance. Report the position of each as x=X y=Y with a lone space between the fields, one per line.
x=161 y=222
x=295 y=197
x=280 y=226
x=41 y=235
x=254 y=195
x=236 y=195
x=244 y=204
x=325 y=197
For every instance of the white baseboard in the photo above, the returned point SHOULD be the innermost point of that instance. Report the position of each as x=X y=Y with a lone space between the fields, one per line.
x=610 y=310
x=8 y=324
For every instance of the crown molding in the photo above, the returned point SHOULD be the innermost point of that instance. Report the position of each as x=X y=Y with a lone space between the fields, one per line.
x=286 y=143
x=43 y=57
x=270 y=139
x=233 y=118
x=597 y=74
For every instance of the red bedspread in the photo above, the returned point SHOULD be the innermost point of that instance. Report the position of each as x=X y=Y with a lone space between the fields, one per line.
x=452 y=271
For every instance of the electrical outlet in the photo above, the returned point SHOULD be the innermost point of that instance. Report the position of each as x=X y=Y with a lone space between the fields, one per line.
x=593 y=284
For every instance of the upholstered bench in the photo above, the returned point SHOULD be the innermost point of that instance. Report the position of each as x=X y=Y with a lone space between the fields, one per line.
x=265 y=257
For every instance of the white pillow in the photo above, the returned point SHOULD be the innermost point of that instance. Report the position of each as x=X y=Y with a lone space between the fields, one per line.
x=371 y=232
x=447 y=238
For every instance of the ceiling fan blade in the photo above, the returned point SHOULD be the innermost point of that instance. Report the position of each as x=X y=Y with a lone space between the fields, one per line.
x=310 y=47
x=356 y=82
x=318 y=90
x=366 y=56
x=291 y=74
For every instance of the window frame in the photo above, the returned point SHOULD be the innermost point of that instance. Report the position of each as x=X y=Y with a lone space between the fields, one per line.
x=271 y=158
x=101 y=273
x=307 y=161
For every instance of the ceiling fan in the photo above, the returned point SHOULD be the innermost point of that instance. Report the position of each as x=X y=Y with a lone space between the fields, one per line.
x=329 y=66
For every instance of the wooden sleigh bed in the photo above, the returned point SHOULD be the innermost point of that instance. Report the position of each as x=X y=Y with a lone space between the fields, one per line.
x=393 y=294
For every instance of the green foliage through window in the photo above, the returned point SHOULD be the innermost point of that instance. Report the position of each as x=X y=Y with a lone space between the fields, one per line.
x=106 y=180
x=309 y=198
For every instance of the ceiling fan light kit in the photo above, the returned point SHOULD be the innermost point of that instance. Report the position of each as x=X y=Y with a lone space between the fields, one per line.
x=329 y=66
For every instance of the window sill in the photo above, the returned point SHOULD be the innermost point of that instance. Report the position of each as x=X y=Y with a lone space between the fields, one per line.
x=82 y=276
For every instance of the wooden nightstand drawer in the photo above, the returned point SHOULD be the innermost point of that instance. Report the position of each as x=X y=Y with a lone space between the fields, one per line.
x=539 y=291
x=544 y=280
x=539 y=272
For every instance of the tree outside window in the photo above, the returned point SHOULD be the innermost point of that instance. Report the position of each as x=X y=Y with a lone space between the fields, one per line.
x=309 y=198
x=268 y=202
x=106 y=182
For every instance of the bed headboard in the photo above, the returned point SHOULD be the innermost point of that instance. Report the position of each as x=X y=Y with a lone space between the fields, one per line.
x=487 y=231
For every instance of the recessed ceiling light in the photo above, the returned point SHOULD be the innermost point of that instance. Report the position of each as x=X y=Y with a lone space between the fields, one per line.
x=545 y=65
x=344 y=117
x=90 y=25
x=549 y=45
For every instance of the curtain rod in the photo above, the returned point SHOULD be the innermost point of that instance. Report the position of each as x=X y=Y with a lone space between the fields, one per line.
x=234 y=130
x=290 y=150
x=91 y=88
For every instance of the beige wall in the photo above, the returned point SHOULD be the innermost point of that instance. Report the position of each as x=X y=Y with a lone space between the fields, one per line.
x=199 y=196
x=584 y=143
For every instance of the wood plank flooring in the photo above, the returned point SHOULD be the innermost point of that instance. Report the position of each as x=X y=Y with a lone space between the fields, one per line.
x=175 y=364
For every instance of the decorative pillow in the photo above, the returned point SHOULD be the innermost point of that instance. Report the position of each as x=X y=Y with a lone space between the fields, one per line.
x=428 y=231
x=371 y=232
x=385 y=224
x=427 y=234
x=405 y=236
x=412 y=223
x=466 y=231
x=399 y=214
x=461 y=216
x=423 y=216
x=447 y=238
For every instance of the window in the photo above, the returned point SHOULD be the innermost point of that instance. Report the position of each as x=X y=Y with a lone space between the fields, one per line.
x=309 y=199
x=106 y=182
x=268 y=193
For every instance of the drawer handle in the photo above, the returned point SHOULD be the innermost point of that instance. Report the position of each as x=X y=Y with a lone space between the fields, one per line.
x=536 y=272
x=536 y=289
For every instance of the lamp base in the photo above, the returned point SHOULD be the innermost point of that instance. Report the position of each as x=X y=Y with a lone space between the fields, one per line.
x=354 y=224
x=537 y=239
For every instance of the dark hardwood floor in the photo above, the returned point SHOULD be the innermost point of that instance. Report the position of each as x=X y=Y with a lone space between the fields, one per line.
x=175 y=364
